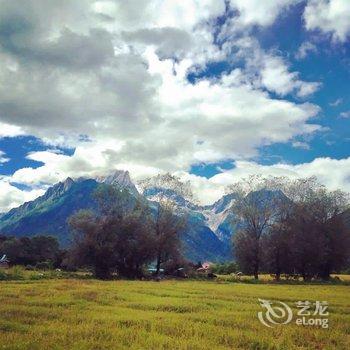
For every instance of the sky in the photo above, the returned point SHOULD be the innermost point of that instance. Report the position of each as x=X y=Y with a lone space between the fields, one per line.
x=209 y=90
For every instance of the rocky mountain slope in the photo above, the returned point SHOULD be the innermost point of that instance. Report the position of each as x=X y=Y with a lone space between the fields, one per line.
x=48 y=214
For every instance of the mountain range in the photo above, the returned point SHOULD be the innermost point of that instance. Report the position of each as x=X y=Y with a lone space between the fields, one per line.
x=208 y=233
x=209 y=230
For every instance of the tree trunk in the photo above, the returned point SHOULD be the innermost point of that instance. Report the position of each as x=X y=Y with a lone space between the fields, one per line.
x=256 y=272
x=159 y=261
x=325 y=274
x=326 y=277
x=278 y=266
x=256 y=269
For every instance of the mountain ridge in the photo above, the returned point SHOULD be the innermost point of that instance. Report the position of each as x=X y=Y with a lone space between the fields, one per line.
x=48 y=214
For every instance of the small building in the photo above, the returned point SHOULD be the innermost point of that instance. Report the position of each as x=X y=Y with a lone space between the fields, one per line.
x=4 y=262
x=205 y=267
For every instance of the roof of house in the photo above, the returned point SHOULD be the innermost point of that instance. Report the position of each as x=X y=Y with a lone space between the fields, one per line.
x=4 y=259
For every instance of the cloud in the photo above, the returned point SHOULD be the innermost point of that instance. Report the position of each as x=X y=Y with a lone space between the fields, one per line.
x=337 y=102
x=14 y=196
x=3 y=158
x=333 y=173
x=170 y=42
x=146 y=103
x=329 y=17
x=110 y=79
x=277 y=78
x=263 y=13
x=302 y=145
x=8 y=130
x=345 y=115
x=305 y=48
x=266 y=69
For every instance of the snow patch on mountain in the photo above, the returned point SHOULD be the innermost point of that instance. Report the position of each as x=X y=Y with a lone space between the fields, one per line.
x=216 y=217
x=167 y=183
x=218 y=214
x=213 y=219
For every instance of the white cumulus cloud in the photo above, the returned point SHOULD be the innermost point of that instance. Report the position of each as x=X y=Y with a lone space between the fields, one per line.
x=329 y=17
x=110 y=79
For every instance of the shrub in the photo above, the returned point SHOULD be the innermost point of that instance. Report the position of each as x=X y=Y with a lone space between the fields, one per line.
x=224 y=268
x=17 y=272
x=3 y=275
x=44 y=265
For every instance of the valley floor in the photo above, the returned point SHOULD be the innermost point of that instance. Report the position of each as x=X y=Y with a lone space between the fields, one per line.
x=89 y=314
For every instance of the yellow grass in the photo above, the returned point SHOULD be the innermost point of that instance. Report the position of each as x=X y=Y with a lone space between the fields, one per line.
x=89 y=314
x=269 y=278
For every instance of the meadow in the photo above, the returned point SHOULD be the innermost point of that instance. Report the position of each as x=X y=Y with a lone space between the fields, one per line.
x=90 y=314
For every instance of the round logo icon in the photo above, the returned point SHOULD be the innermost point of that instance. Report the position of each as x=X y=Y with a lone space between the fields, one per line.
x=274 y=314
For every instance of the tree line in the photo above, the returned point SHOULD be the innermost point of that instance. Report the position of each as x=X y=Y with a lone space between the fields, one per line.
x=38 y=251
x=295 y=228
x=281 y=227
x=122 y=237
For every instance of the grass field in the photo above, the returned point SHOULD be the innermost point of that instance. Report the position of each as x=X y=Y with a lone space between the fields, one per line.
x=89 y=314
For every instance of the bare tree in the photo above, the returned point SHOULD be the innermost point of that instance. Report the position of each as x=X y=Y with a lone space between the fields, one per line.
x=255 y=209
x=278 y=255
x=168 y=228
x=304 y=232
x=119 y=237
x=172 y=196
x=321 y=237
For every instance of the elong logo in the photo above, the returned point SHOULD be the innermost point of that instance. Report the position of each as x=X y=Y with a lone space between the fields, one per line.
x=274 y=314
x=279 y=313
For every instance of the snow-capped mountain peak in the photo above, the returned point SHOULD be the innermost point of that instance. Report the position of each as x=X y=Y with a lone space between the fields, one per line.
x=118 y=178
x=167 y=183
